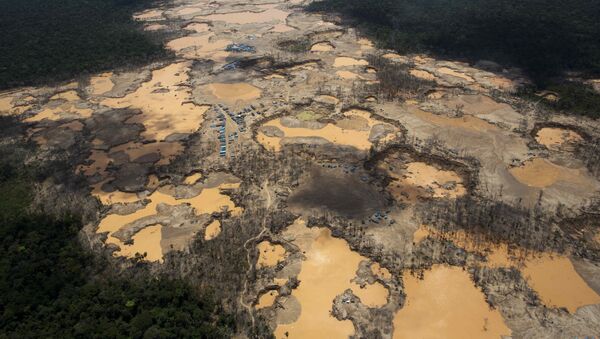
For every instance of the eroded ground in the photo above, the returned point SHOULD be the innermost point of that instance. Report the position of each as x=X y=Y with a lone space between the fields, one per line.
x=260 y=163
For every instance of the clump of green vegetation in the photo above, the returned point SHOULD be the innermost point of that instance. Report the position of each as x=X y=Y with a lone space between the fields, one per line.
x=295 y=46
x=308 y=116
x=576 y=98
x=572 y=97
x=51 y=287
x=544 y=38
x=45 y=41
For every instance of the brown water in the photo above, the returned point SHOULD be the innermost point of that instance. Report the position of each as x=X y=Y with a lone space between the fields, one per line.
x=212 y=230
x=109 y=198
x=326 y=273
x=7 y=107
x=451 y=72
x=192 y=179
x=204 y=46
x=282 y=28
x=331 y=132
x=557 y=283
x=322 y=47
x=240 y=18
x=166 y=150
x=347 y=75
x=101 y=84
x=163 y=113
x=419 y=179
x=554 y=138
x=198 y=27
x=467 y=122
x=209 y=200
x=347 y=61
x=539 y=172
x=327 y=99
x=233 y=92
x=417 y=73
x=99 y=160
x=269 y=255
x=551 y=276
x=146 y=241
x=267 y=299
x=446 y=302
x=380 y=272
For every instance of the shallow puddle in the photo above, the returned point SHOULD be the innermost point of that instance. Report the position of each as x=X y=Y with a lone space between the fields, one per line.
x=241 y=18
x=380 y=272
x=98 y=160
x=167 y=151
x=212 y=230
x=322 y=47
x=451 y=72
x=554 y=138
x=347 y=61
x=418 y=179
x=198 y=27
x=101 y=84
x=431 y=308
x=417 y=73
x=109 y=198
x=467 y=122
x=347 y=75
x=203 y=46
x=234 y=92
x=192 y=179
x=269 y=255
x=330 y=132
x=267 y=299
x=542 y=173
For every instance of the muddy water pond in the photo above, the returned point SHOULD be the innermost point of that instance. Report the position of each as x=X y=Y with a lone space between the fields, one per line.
x=269 y=254
x=348 y=61
x=554 y=138
x=327 y=271
x=233 y=92
x=345 y=133
x=209 y=200
x=166 y=106
x=212 y=230
x=418 y=179
x=240 y=18
x=557 y=283
x=432 y=307
x=552 y=276
x=542 y=173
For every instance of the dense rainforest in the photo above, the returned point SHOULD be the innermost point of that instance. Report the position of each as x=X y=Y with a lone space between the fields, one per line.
x=45 y=41
x=51 y=287
x=546 y=39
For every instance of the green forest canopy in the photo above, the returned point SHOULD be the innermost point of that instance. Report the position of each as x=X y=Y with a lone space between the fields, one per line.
x=45 y=41
x=51 y=287
x=543 y=37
